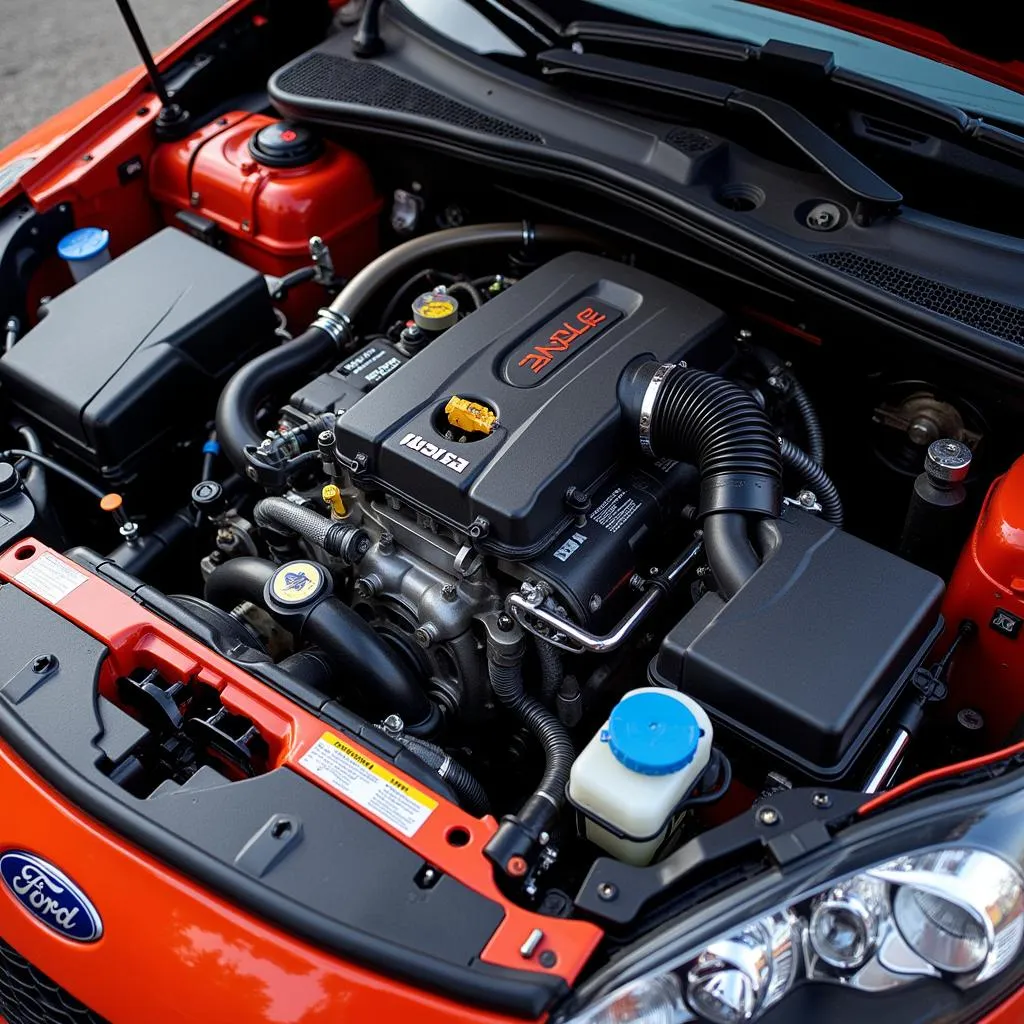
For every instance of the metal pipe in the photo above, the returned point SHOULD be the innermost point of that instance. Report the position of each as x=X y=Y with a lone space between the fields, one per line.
x=890 y=761
x=523 y=610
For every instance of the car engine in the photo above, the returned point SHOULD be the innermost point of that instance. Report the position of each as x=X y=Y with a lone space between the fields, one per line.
x=548 y=519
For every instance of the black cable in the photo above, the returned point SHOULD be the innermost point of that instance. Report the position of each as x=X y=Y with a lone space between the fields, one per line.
x=775 y=367
x=55 y=467
x=816 y=479
x=468 y=289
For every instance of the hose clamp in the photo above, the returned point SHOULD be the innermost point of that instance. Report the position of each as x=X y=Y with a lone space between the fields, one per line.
x=335 y=325
x=647 y=405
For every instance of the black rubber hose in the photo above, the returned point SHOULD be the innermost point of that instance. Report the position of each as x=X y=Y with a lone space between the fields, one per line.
x=543 y=806
x=552 y=671
x=276 y=370
x=700 y=417
x=341 y=539
x=809 y=417
x=385 y=679
x=289 y=363
x=727 y=545
x=816 y=479
x=472 y=796
x=775 y=367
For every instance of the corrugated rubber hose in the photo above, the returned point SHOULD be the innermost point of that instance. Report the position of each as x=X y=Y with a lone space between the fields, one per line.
x=816 y=479
x=546 y=801
x=703 y=418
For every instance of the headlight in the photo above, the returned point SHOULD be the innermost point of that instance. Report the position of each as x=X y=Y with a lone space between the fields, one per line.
x=953 y=913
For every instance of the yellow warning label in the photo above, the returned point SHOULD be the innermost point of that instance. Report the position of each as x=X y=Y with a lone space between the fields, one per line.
x=368 y=784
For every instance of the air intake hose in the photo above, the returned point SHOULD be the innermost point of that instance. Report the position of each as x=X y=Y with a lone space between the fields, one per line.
x=288 y=364
x=700 y=417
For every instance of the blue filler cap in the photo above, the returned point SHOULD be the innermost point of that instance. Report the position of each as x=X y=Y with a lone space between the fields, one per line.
x=83 y=244
x=653 y=734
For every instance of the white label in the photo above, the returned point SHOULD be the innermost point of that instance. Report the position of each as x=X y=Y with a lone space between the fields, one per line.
x=50 y=578
x=368 y=784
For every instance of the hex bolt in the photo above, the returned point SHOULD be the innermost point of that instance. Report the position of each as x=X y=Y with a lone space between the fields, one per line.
x=505 y=623
x=807 y=499
x=448 y=592
x=768 y=816
x=426 y=634
x=821 y=800
x=386 y=543
x=607 y=891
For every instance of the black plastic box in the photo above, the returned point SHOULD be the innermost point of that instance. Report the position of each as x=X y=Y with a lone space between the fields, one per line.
x=810 y=655
x=136 y=354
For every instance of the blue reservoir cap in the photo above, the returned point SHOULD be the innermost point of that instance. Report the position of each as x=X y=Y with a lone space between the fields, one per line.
x=653 y=733
x=83 y=244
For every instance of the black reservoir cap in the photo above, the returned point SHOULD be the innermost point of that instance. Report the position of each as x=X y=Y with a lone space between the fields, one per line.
x=285 y=144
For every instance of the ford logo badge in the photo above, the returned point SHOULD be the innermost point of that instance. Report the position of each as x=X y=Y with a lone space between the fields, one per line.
x=50 y=896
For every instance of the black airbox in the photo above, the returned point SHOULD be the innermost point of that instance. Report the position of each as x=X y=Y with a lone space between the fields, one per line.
x=136 y=353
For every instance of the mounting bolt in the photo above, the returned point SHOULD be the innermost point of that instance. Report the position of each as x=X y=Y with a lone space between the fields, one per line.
x=768 y=816
x=426 y=634
x=386 y=542
x=393 y=725
x=448 y=592
x=43 y=663
x=544 y=838
x=807 y=498
x=607 y=891
x=505 y=623
x=821 y=800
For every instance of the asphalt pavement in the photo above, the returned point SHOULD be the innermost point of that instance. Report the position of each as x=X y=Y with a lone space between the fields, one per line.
x=53 y=52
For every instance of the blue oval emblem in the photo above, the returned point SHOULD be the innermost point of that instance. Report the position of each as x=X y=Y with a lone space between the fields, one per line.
x=50 y=896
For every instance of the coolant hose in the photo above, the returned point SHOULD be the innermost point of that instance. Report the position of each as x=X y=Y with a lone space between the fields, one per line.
x=291 y=362
x=364 y=658
x=543 y=806
x=700 y=417
x=469 y=791
x=816 y=479
x=340 y=539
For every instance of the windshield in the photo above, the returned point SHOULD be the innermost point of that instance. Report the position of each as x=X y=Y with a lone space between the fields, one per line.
x=752 y=24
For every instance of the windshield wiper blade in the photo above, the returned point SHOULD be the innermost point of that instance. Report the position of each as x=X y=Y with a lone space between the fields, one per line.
x=778 y=62
x=871 y=194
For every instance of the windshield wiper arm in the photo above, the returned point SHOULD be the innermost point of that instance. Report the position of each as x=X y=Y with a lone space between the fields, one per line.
x=871 y=194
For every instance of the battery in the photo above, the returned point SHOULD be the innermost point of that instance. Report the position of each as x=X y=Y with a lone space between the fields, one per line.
x=627 y=527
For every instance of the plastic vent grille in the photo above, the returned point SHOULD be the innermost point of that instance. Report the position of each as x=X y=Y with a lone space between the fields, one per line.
x=999 y=319
x=690 y=141
x=321 y=76
x=27 y=996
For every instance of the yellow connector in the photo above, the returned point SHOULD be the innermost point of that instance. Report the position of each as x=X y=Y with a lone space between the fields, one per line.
x=470 y=416
x=332 y=496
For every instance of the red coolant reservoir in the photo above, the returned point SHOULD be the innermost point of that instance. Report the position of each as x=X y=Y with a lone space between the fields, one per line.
x=987 y=587
x=267 y=186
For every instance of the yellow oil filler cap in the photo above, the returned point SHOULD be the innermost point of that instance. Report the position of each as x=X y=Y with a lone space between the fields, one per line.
x=470 y=416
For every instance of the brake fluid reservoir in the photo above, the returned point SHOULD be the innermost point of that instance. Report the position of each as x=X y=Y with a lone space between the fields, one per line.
x=633 y=774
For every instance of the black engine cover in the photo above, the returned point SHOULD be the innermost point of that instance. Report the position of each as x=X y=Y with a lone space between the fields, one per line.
x=546 y=356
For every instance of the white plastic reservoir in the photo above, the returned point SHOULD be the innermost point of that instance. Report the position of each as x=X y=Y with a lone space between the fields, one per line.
x=636 y=770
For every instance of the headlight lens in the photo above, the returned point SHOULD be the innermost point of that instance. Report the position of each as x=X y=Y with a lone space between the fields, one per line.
x=954 y=913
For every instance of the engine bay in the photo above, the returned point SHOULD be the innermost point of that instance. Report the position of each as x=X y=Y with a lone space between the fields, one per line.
x=590 y=541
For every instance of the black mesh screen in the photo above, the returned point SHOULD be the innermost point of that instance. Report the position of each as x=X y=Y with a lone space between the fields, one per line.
x=322 y=76
x=690 y=141
x=999 y=319
x=27 y=996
